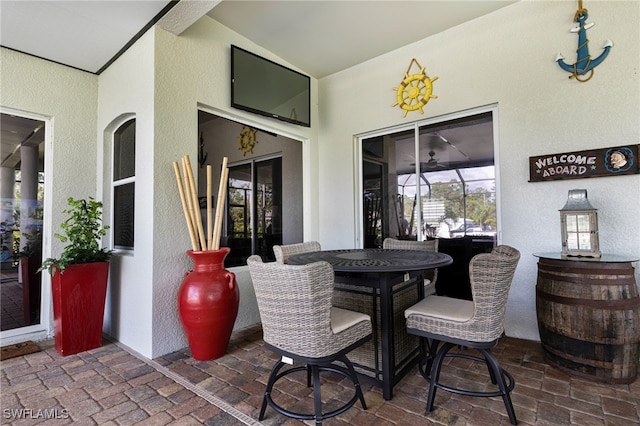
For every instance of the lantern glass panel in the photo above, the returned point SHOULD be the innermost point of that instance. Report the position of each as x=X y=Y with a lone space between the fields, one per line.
x=578 y=231
x=583 y=222
x=584 y=240
x=579 y=226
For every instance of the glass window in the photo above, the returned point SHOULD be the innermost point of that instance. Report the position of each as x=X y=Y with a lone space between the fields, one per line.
x=264 y=202
x=124 y=156
x=448 y=191
x=123 y=202
x=254 y=210
x=578 y=232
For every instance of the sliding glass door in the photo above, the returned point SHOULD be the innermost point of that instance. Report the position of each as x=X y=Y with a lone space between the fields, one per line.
x=430 y=180
x=21 y=222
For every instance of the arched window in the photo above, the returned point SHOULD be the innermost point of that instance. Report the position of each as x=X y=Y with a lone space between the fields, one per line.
x=123 y=184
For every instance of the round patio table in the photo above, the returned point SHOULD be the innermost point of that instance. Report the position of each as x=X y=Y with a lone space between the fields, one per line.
x=381 y=283
x=374 y=260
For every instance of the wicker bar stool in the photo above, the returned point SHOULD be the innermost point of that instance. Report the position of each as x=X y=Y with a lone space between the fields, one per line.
x=283 y=252
x=430 y=277
x=476 y=324
x=300 y=325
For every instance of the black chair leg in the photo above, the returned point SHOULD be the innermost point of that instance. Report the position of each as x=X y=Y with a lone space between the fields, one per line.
x=435 y=374
x=505 y=390
x=267 y=392
x=427 y=361
x=356 y=382
x=317 y=397
x=492 y=374
x=313 y=376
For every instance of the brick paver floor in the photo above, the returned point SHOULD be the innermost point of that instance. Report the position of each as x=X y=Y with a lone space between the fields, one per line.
x=114 y=386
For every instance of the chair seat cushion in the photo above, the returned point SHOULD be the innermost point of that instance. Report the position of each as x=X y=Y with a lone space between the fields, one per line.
x=342 y=319
x=446 y=308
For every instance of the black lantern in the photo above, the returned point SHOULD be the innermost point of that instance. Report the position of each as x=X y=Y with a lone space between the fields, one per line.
x=579 y=223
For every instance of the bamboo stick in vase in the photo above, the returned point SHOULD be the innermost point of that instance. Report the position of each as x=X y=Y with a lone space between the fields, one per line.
x=217 y=229
x=187 y=192
x=209 y=207
x=196 y=205
x=185 y=209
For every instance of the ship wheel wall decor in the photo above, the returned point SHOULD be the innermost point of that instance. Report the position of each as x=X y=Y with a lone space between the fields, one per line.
x=247 y=140
x=415 y=90
x=582 y=69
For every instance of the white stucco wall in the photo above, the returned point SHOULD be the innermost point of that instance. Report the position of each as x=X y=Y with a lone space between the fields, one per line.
x=506 y=58
x=163 y=79
x=127 y=88
x=67 y=99
x=191 y=70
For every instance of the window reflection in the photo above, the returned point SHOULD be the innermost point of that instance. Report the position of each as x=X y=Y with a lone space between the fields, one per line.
x=448 y=192
x=21 y=219
x=254 y=213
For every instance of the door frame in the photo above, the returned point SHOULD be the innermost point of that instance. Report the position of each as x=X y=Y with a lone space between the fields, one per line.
x=44 y=329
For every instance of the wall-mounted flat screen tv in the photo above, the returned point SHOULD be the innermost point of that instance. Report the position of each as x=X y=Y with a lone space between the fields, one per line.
x=264 y=87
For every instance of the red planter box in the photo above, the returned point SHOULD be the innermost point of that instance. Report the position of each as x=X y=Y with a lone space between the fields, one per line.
x=79 y=296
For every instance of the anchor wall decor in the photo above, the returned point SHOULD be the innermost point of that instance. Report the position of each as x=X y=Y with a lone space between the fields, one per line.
x=582 y=69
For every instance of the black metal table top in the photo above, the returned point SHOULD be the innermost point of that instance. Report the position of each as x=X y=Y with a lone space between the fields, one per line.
x=374 y=260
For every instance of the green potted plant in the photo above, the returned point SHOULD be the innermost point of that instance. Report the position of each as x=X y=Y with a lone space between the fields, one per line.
x=79 y=278
x=30 y=260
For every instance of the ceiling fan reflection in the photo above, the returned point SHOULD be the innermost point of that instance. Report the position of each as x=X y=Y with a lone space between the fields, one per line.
x=431 y=164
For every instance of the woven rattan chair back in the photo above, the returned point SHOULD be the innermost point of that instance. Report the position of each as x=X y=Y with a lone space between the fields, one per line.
x=295 y=308
x=427 y=245
x=491 y=275
x=298 y=322
x=476 y=324
x=283 y=252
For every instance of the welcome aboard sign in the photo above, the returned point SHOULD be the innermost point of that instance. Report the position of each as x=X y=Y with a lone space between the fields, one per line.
x=620 y=160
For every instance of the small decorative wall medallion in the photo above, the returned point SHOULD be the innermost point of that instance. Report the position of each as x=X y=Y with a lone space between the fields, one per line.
x=415 y=90
x=582 y=70
x=247 y=140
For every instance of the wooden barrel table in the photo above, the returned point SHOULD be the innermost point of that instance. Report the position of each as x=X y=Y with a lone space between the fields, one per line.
x=588 y=314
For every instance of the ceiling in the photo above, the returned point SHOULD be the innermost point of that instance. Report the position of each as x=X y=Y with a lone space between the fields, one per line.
x=81 y=34
x=324 y=37
x=318 y=37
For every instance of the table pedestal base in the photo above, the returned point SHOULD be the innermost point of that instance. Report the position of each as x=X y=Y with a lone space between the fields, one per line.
x=392 y=352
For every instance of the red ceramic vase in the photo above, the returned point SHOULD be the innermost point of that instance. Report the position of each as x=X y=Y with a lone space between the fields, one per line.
x=208 y=304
